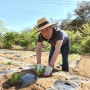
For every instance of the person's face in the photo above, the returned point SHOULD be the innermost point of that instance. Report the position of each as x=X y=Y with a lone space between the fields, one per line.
x=46 y=32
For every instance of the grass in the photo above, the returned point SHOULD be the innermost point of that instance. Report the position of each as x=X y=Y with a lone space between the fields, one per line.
x=72 y=57
x=9 y=63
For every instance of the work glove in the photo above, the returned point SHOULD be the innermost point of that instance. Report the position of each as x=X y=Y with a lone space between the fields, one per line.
x=40 y=69
x=39 y=66
x=48 y=71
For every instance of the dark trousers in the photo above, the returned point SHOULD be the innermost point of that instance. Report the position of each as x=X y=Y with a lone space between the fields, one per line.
x=64 y=51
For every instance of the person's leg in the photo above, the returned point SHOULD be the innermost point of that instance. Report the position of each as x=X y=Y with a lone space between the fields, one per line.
x=51 y=53
x=65 y=52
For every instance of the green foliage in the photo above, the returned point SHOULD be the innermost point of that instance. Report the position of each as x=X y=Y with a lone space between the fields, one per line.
x=32 y=40
x=14 y=79
x=1 y=41
x=85 y=29
x=46 y=46
x=75 y=48
x=73 y=57
x=83 y=11
x=75 y=39
x=85 y=45
x=79 y=37
x=41 y=71
x=3 y=28
x=11 y=38
x=80 y=41
x=85 y=42
x=9 y=62
x=24 y=38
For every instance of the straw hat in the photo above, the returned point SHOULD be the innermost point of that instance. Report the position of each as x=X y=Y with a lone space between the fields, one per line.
x=43 y=23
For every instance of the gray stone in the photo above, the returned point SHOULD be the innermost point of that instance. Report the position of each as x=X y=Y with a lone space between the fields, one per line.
x=65 y=85
x=28 y=79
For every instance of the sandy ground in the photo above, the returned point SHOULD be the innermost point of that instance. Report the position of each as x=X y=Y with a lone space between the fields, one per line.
x=82 y=69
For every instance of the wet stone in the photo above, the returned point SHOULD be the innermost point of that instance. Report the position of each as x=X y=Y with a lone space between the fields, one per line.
x=27 y=79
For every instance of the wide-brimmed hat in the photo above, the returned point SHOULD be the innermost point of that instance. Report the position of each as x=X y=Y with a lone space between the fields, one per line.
x=44 y=23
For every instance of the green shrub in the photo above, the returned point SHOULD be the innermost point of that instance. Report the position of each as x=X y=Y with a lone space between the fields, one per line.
x=9 y=62
x=40 y=72
x=75 y=41
x=46 y=46
x=75 y=48
x=85 y=45
x=14 y=79
x=1 y=41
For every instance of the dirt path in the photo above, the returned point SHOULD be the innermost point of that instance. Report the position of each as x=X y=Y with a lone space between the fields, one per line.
x=81 y=72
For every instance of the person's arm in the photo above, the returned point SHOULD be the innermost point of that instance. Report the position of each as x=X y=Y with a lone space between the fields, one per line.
x=38 y=52
x=56 y=52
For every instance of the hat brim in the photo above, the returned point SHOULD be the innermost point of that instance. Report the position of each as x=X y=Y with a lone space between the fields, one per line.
x=43 y=27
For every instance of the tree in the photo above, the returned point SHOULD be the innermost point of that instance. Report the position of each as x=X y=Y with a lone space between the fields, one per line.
x=65 y=24
x=11 y=38
x=3 y=28
x=1 y=41
x=83 y=11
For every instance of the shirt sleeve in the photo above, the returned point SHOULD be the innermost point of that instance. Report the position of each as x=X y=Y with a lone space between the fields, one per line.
x=40 y=38
x=60 y=35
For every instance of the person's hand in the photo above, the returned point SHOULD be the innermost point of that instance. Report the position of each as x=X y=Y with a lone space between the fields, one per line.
x=39 y=66
x=48 y=71
x=40 y=69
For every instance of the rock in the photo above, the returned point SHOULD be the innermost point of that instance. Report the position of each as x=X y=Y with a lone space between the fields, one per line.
x=65 y=85
x=28 y=79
